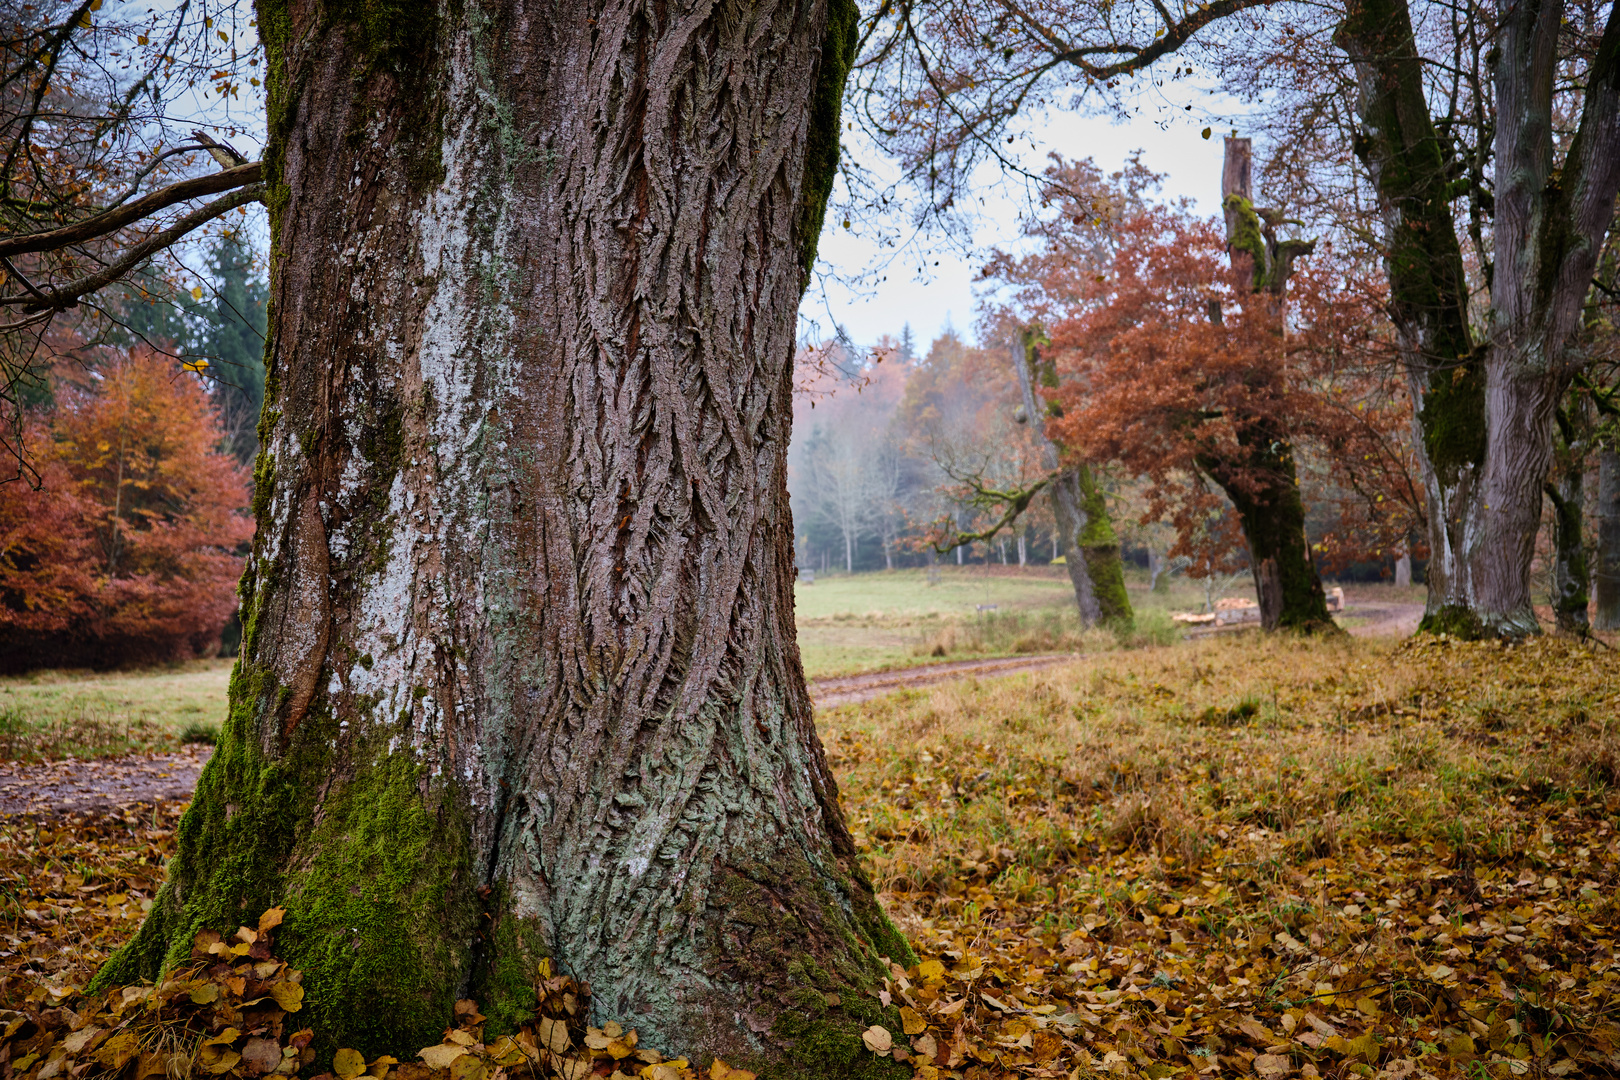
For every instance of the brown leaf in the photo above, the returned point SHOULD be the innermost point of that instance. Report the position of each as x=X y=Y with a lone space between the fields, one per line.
x=263 y=1055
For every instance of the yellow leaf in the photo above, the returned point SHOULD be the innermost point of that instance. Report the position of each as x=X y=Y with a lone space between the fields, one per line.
x=116 y=1051
x=379 y=1068
x=290 y=996
x=440 y=1057
x=223 y=1063
x=1272 y=1066
x=573 y=1068
x=272 y=918
x=505 y=1051
x=719 y=1070
x=348 y=1064
x=468 y=1067
x=205 y=994
x=877 y=1039
x=930 y=969
x=911 y=1021
x=196 y=292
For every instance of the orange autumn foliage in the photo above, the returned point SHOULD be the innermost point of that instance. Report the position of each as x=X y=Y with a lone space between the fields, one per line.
x=127 y=552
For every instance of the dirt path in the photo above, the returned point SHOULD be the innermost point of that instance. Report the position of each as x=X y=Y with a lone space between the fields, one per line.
x=102 y=784
x=58 y=787
x=1384 y=620
x=826 y=693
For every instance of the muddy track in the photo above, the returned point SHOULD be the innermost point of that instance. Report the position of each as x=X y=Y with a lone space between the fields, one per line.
x=102 y=785
x=826 y=693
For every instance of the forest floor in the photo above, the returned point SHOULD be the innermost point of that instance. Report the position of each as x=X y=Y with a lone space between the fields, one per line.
x=1241 y=855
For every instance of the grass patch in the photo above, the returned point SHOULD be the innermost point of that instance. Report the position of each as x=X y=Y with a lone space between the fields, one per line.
x=55 y=714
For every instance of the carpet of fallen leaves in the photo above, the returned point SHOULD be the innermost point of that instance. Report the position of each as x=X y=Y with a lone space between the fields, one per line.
x=1245 y=857
x=1269 y=858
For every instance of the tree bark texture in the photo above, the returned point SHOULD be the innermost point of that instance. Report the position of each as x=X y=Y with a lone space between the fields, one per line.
x=1570 y=595
x=1264 y=488
x=1566 y=491
x=519 y=677
x=1606 y=574
x=1484 y=409
x=1084 y=530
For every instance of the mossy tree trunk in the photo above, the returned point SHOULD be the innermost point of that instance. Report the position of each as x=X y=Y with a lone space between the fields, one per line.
x=518 y=677
x=1606 y=574
x=1571 y=582
x=1260 y=477
x=1484 y=408
x=1263 y=485
x=1085 y=534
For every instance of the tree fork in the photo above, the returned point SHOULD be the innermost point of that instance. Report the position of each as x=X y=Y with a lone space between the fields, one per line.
x=518 y=676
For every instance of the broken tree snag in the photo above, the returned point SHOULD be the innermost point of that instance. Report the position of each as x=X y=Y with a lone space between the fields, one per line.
x=535 y=287
x=1259 y=475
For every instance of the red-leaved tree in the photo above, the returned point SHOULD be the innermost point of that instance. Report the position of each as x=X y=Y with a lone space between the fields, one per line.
x=1187 y=375
x=127 y=551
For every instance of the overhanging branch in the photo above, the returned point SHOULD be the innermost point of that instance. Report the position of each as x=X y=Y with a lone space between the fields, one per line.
x=112 y=220
x=68 y=295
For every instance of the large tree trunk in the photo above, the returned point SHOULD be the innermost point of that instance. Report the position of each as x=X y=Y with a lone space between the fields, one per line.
x=1606 y=574
x=1484 y=413
x=519 y=677
x=1084 y=530
x=1264 y=489
x=1261 y=479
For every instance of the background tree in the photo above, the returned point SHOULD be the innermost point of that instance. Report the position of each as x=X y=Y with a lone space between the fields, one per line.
x=127 y=551
x=96 y=174
x=1489 y=105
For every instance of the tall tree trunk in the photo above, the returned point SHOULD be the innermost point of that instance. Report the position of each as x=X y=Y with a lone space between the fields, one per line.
x=1264 y=489
x=1484 y=412
x=1260 y=478
x=1567 y=492
x=519 y=677
x=1079 y=509
x=1403 y=566
x=1570 y=580
x=1607 y=571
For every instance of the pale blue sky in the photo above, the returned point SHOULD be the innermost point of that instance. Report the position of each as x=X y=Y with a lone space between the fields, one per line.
x=1170 y=141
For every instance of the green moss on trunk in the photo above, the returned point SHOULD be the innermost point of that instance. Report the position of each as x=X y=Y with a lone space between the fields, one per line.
x=377 y=883
x=1264 y=488
x=1100 y=546
x=823 y=137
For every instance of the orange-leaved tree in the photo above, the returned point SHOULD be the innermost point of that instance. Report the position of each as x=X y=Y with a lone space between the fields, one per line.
x=1178 y=370
x=127 y=552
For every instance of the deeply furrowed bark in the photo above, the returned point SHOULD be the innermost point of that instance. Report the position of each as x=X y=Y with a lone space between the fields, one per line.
x=519 y=677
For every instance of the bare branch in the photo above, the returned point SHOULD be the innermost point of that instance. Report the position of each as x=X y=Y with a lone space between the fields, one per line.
x=113 y=220
x=68 y=295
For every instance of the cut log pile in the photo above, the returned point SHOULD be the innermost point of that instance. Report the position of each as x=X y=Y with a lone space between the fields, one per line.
x=1237 y=611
